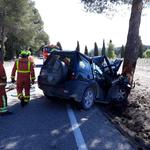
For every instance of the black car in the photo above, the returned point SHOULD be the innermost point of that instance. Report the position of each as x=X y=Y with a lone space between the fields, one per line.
x=72 y=75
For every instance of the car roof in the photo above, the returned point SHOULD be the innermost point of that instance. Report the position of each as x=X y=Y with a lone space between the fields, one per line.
x=71 y=52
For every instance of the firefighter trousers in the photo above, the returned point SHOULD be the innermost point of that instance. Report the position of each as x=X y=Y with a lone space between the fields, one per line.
x=23 y=90
x=3 y=100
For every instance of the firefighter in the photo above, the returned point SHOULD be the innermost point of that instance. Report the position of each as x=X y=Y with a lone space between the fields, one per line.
x=30 y=57
x=25 y=75
x=3 y=96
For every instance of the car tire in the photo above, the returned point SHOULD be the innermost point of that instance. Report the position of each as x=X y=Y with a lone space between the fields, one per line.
x=118 y=94
x=88 y=98
x=58 y=73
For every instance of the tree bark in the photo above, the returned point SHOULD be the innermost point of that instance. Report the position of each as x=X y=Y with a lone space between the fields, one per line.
x=2 y=44
x=2 y=35
x=133 y=40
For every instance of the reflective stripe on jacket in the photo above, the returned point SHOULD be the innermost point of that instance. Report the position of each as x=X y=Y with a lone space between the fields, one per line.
x=3 y=84
x=24 y=69
x=2 y=75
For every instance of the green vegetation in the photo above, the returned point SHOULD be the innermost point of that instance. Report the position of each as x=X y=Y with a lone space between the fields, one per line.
x=133 y=39
x=110 y=50
x=21 y=26
x=146 y=54
x=141 y=48
x=95 y=49
x=103 y=52
x=78 y=47
x=122 y=51
x=86 y=51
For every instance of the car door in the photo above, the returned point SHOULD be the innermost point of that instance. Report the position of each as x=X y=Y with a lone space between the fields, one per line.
x=84 y=69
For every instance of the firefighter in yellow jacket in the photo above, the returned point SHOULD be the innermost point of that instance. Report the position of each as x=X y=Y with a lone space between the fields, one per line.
x=25 y=75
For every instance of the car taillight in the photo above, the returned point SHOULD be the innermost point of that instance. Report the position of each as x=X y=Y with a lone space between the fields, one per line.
x=72 y=76
x=45 y=54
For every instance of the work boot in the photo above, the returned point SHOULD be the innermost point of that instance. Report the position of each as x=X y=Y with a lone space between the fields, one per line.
x=25 y=103
x=26 y=100
x=22 y=102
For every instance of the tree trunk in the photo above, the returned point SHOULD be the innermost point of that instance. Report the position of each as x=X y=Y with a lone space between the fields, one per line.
x=2 y=44
x=133 y=40
x=2 y=35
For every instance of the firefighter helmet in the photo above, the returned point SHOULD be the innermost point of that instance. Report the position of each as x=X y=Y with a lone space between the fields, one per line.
x=23 y=53
x=28 y=53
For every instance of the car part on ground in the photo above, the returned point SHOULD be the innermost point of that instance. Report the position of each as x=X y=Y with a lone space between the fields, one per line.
x=72 y=75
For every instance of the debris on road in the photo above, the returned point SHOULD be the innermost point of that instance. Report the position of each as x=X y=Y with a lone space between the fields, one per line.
x=10 y=87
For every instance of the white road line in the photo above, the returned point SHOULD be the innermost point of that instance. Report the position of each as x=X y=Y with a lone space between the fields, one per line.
x=76 y=130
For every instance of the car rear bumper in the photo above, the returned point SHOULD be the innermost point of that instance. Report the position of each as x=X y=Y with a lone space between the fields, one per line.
x=68 y=90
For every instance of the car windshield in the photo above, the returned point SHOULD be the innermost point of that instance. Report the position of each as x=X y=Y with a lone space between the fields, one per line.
x=64 y=57
x=97 y=70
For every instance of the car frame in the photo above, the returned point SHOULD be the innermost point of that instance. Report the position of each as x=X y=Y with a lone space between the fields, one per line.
x=82 y=83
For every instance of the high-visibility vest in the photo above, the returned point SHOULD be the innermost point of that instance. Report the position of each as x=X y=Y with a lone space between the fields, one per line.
x=23 y=71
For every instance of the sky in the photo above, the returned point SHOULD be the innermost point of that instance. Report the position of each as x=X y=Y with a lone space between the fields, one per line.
x=67 y=21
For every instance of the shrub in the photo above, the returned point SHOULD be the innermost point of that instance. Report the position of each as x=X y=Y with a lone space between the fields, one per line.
x=146 y=54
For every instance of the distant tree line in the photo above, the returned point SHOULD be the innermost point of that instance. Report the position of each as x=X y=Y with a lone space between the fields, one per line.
x=131 y=52
x=112 y=52
x=21 y=26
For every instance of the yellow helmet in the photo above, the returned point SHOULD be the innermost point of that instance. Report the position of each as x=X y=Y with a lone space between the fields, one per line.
x=23 y=53
x=28 y=52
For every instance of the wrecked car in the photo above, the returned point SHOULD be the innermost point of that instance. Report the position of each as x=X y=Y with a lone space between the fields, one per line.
x=72 y=75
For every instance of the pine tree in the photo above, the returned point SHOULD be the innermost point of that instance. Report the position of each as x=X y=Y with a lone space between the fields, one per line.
x=10 y=15
x=122 y=51
x=146 y=54
x=132 y=44
x=95 y=49
x=78 y=47
x=141 y=48
x=59 y=45
x=103 y=52
x=21 y=26
x=110 y=50
x=86 y=50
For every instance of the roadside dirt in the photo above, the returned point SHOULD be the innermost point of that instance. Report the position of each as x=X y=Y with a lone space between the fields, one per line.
x=135 y=119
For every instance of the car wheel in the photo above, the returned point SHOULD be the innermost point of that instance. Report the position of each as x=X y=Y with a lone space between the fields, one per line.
x=88 y=98
x=123 y=94
x=118 y=95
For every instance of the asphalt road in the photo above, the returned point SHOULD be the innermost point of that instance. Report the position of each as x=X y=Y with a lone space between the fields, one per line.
x=56 y=125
